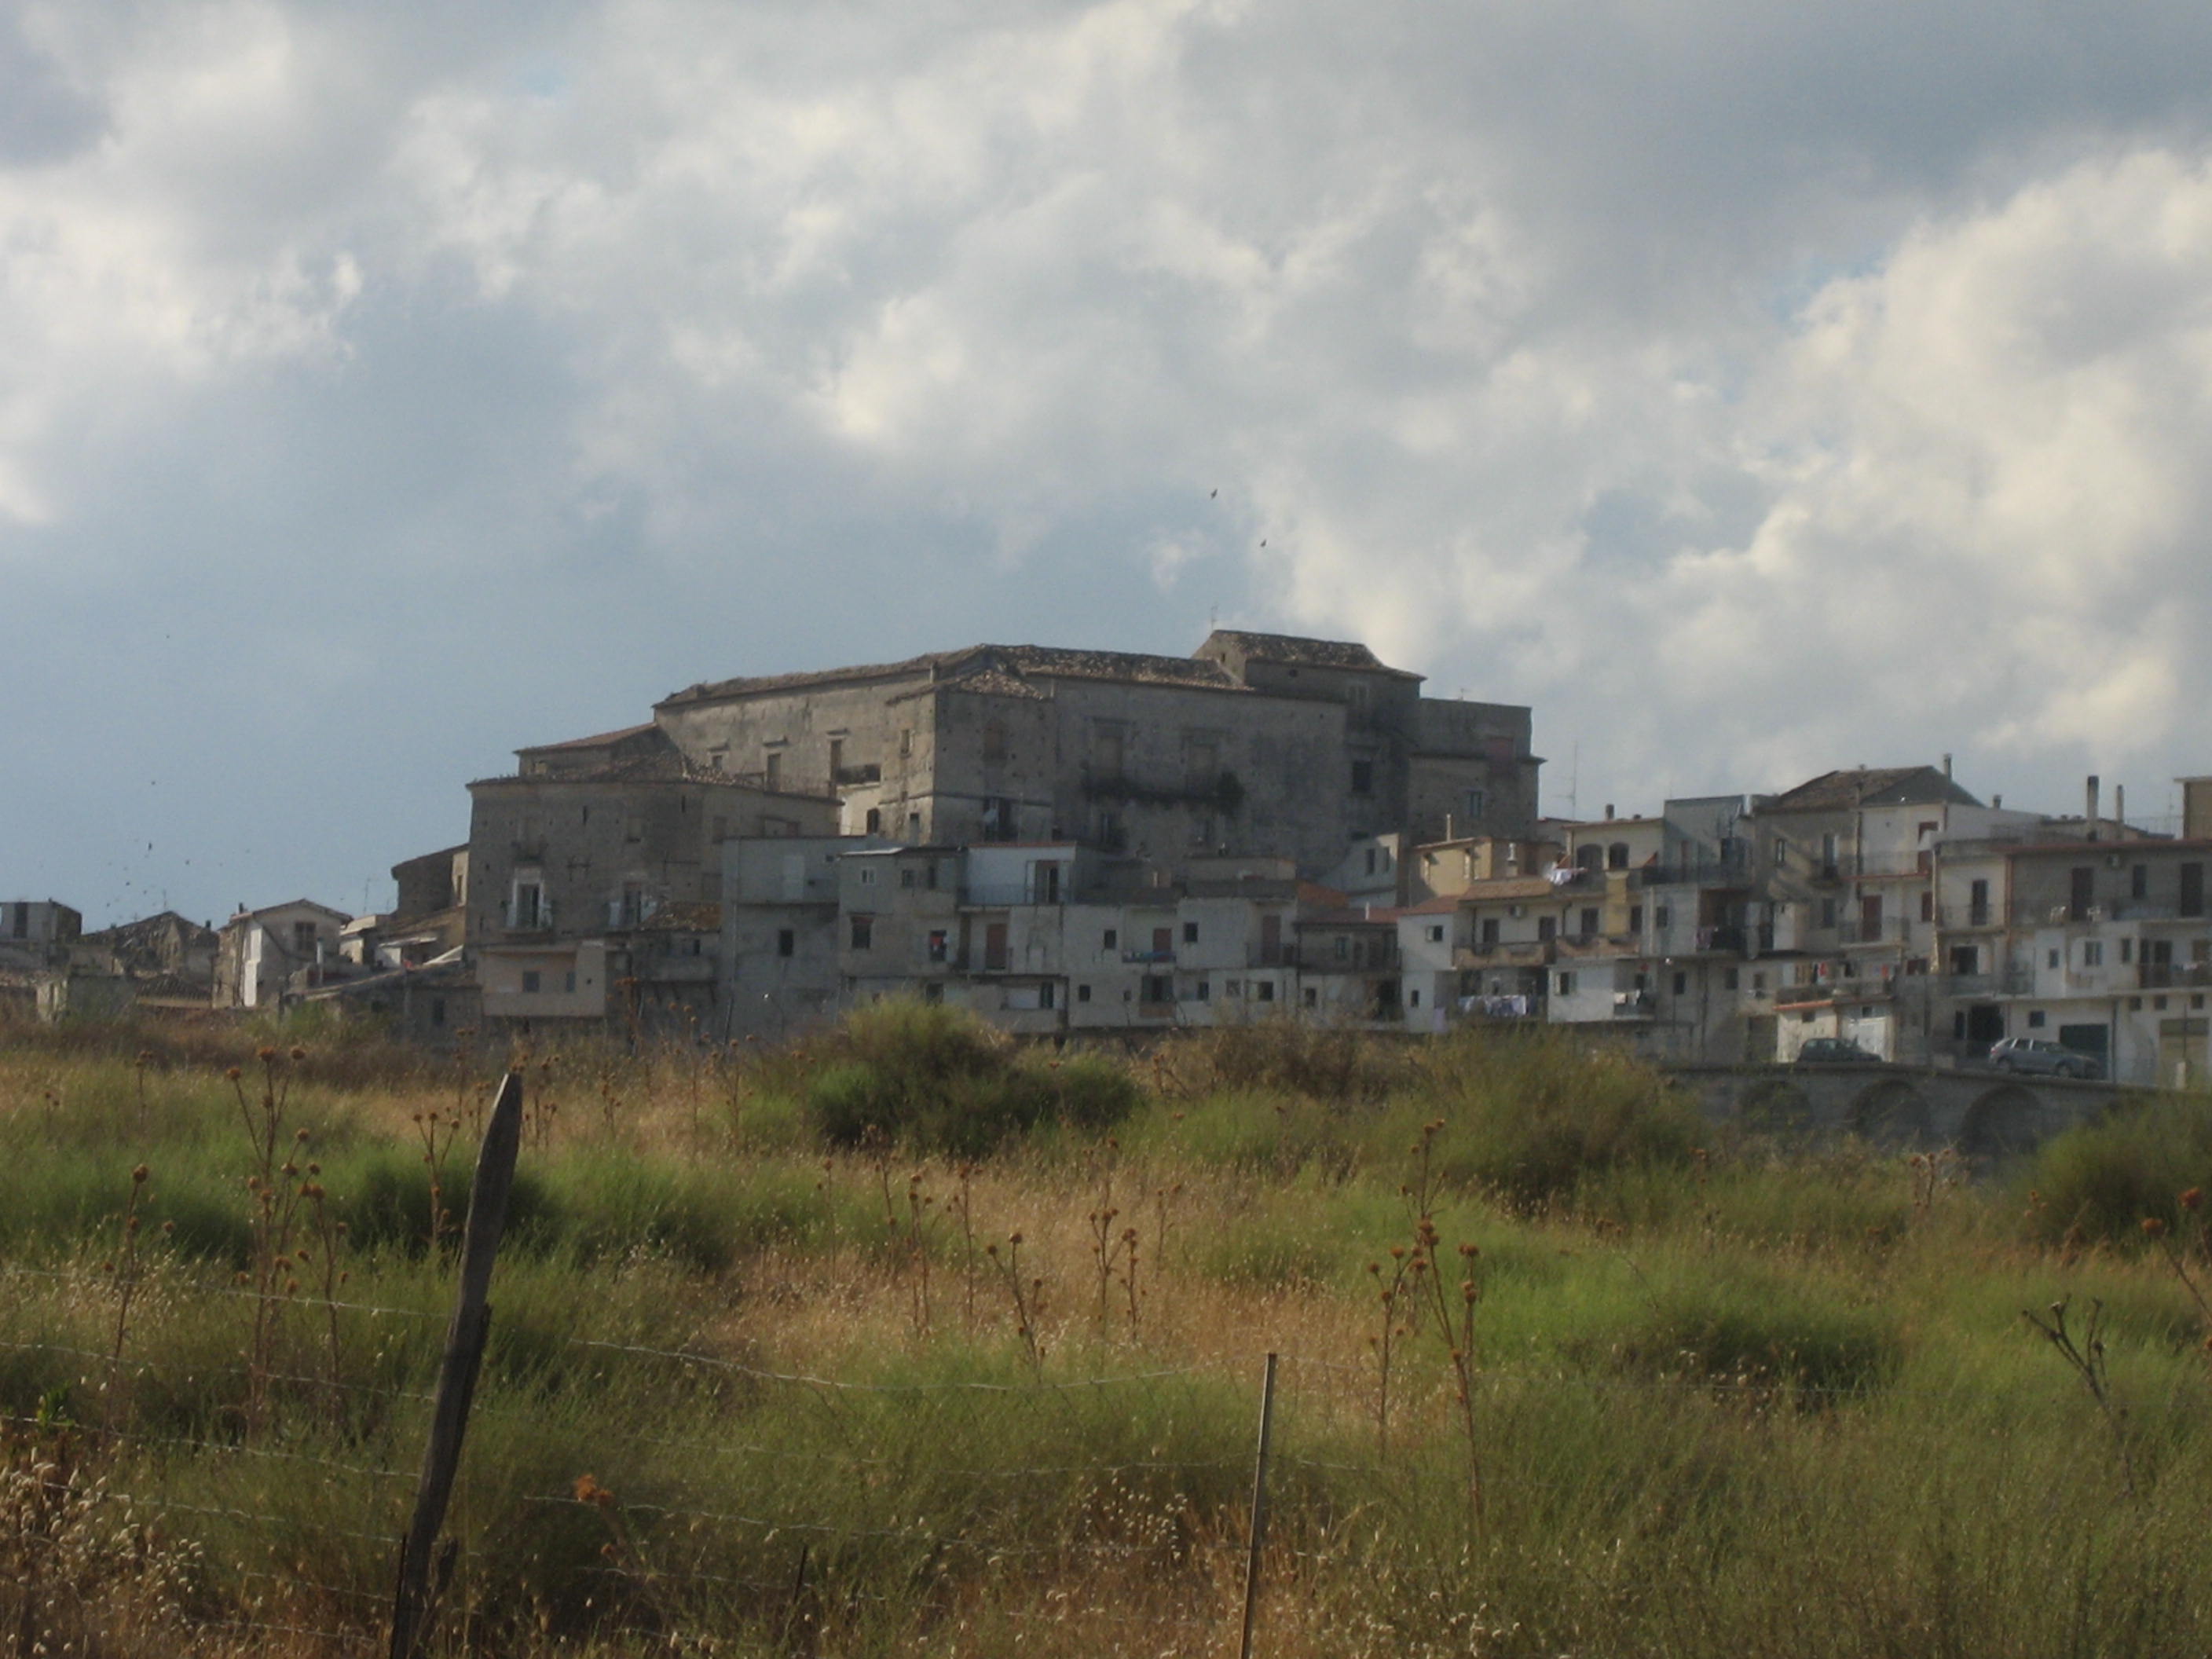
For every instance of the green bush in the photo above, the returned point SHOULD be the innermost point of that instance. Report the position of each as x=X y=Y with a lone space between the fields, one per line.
x=2099 y=1183
x=938 y=1079
x=1530 y=1117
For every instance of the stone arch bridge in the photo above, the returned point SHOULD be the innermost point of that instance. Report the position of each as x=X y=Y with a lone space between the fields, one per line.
x=1982 y=1114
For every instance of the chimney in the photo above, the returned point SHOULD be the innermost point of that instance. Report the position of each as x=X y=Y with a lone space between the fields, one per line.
x=1608 y=811
x=1947 y=766
x=2089 y=810
x=2120 y=811
x=1997 y=802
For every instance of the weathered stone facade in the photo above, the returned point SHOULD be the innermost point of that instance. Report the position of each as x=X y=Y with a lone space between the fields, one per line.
x=1257 y=744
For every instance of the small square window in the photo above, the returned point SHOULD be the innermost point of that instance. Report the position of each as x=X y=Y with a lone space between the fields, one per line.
x=2035 y=1018
x=1263 y=990
x=1083 y=993
x=1436 y=933
x=787 y=942
x=1111 y=941
x=530 y=980
x=1190 y=932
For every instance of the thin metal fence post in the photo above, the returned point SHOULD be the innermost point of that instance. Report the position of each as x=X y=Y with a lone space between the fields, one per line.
x=412 y=1598
x=1259 y=1528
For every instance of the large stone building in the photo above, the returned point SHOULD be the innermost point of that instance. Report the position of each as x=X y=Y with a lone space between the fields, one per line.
x=1255 y=744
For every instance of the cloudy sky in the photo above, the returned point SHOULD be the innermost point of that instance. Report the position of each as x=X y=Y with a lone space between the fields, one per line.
x=1751 y=389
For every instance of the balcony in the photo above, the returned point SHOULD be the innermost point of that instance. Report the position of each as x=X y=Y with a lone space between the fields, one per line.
x=1005 y=896
x=849 y=776
x=1633 y=1004
x=1165 y=957
x=2174 y=975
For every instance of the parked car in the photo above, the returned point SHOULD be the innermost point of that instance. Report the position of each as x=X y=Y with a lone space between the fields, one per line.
x=2044 y=1059
x=1835 y=1051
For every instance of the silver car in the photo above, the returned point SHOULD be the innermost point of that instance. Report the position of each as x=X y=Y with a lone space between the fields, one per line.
x=2042 y=1059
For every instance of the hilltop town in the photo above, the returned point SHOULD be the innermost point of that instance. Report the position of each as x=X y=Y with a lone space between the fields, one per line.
x=1089 y=843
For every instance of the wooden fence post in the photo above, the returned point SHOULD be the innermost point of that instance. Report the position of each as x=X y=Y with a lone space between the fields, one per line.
x=411 y=1600
x=1259 y=1507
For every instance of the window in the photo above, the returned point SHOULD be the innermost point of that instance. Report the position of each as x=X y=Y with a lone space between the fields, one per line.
x=2139 y=881
x=1083 y=993
x=2035 y=1018
x=1263 y=990
x=1547 y=928
x=1563 y=985
x=787 y=942
x=2192 y=890
x=1727 y=979
x=1413 y=998
x=531 y=980
x=1363 y=777
x=836 y=758
x=2127 y=952
x=1978 y=904
x=1590 y=922
x=2051 y=958
x=1473 y=803
x=906 y=743
x=1436 y=933
x=1204 y=990
x=875 y=821
x=1190 y=932
x=303 y=939
x=1928 y=905
x=1343 y=948
x=1312 y=997
x=1045 y=998
x=569 y=981
x=1616 y=856
x=1635 y=918
x=1111 y=941
x=2092 y=953
x=1661 y=915
x=906 y=878
x=1490 y=930
x=1681 y=984
x=867 y=875
x=773 y=767
x=864 y=933
x=937 y=945
x=1370 y=860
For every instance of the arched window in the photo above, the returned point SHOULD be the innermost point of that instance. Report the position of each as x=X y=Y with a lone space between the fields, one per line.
x=1590 y=858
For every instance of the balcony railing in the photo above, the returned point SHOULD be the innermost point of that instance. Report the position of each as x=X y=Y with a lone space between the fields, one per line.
x=1005 y=895
x=527 y=919
x=2174 y=975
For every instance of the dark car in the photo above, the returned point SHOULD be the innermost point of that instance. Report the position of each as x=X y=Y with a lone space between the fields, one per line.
x=1835 y=1051
x=2044 y=1059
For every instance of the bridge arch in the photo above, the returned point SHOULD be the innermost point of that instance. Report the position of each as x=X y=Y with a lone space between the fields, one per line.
x=1891 y=1113
x=2009 y=1118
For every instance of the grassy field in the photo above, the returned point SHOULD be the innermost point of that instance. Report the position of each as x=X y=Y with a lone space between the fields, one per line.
x=906 y=1342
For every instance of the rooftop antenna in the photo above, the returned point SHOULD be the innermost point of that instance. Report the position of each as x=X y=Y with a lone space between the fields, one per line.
x=1574 y=782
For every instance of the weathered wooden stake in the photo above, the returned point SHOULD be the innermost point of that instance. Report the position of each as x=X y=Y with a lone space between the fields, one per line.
x=1259 y=1507
x=412 y=1601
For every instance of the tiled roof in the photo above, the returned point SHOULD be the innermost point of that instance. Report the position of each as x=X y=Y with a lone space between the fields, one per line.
x=1871 y=786
x=599 y=740
x=995 y=668
x=1297 y=651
